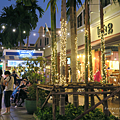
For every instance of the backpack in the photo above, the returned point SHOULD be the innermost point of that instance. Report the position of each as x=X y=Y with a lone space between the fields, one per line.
x=3 y=85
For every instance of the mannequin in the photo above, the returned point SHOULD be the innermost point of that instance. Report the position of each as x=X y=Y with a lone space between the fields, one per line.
x=97 y=76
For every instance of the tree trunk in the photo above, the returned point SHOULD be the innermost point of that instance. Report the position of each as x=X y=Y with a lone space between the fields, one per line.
x=90 y=49
x=27 y=42
x=102 y=45
x=86 y=55
x=74 y=63
x=90 y=58
x=63 y=43
x=54 y=44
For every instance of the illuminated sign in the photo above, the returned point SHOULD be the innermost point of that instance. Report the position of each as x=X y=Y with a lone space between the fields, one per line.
x=68 y=60
x=15 y=63
x=25 y=53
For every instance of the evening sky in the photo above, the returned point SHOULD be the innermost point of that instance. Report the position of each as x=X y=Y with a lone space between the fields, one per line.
x=45 y=19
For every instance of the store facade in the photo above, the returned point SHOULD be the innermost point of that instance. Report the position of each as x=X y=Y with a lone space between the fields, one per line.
x=111 y=36
x=12 y=58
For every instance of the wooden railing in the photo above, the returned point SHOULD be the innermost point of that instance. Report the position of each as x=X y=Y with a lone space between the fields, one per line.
x=57 y=90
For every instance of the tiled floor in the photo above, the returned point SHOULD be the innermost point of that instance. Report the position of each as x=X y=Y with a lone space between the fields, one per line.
x=18 y=113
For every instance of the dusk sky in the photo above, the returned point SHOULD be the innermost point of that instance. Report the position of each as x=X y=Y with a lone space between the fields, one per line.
x=45 y=19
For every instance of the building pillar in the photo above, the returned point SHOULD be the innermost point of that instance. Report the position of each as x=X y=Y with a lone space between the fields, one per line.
x=93 y=55
x=119 y=56
x=4 y=66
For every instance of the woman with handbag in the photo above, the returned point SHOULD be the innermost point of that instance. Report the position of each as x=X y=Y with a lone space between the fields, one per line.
x=8 y=82
x=1 y=89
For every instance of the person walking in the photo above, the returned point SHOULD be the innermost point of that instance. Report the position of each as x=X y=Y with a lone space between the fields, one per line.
x=1 y=89
x=8 y=82
x=15 y=76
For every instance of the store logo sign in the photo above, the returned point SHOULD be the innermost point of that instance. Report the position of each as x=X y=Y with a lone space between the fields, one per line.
x=25 y=53
x=107 y=29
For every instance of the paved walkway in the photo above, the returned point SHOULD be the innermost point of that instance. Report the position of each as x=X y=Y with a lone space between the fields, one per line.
x=18 y=113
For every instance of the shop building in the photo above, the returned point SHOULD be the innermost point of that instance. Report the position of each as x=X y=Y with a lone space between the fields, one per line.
x=111 y=36
x=12 y=58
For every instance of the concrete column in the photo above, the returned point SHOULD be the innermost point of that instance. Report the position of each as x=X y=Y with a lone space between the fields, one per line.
x=93 y=55
x=4 y=66
x=119 y=56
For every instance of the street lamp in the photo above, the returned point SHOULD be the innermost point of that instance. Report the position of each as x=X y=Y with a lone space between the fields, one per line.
x=24 y=31
x=43 y=35
x=14 y=30
x=3 y=27
x=34 y=34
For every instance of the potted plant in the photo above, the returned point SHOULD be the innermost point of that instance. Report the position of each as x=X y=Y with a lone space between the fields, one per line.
x=34 y=74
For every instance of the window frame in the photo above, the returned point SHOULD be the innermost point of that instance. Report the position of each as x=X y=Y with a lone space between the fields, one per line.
x=40 y=42
x=106 y=5
x=81 y=22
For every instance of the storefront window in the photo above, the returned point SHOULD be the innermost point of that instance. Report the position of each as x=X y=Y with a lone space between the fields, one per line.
x=105 y=2
x=79 y=20
x=40 y=42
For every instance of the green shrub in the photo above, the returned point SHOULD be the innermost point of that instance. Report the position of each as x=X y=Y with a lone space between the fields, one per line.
x=72 y=112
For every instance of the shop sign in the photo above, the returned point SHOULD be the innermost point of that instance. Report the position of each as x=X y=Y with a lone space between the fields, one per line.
x=108 y=52
x=25 y=53
x=108 y=29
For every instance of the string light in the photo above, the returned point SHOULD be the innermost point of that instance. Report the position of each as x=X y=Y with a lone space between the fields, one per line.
x=63 y=40
x=54 y=74
x=76 y=49
x=103 y=57
x=86 y=56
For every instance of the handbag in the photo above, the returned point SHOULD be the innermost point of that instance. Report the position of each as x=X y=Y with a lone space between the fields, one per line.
x=3 y=86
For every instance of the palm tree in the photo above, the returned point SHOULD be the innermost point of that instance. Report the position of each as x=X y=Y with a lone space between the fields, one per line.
x=63 y=40
x=54 y=73
x=103 y=50
x=63 y=43
x=31 y=7
x=103 y=41
x=71 y=5
x=72 y=12
x=22 y=18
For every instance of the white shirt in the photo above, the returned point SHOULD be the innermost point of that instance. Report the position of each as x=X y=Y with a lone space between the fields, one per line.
x=10 y=83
